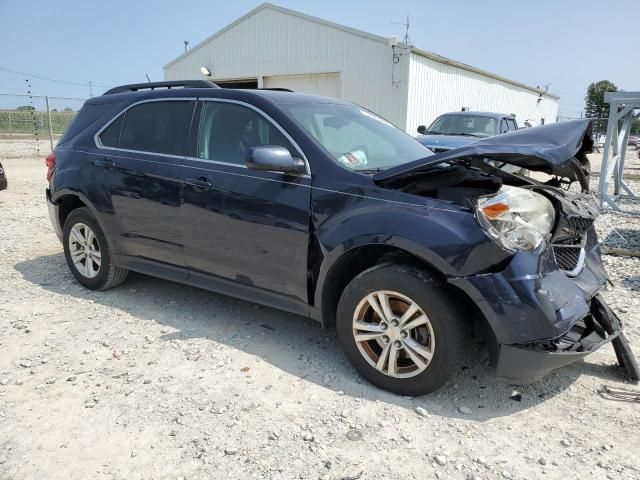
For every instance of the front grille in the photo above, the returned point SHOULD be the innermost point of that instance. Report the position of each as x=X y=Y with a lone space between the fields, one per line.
x=568 y=244
x=567 y=257
x=576 y=226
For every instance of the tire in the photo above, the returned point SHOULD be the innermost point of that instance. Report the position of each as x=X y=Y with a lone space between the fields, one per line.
x=443 y=335
x=97 y=271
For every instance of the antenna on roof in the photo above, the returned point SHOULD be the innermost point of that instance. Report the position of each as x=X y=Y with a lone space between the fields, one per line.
x=186 y=45
x=541 y=93
x=406 y=40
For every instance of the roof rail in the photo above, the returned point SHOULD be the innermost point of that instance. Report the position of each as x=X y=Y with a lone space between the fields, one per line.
x=134 y=87
x=277 y=89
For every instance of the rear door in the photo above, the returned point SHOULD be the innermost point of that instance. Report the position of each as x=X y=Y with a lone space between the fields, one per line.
x=244 y=226
x=140 y=155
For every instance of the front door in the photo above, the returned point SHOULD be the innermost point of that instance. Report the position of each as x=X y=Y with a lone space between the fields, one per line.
x=139 y=156
x=244 y=226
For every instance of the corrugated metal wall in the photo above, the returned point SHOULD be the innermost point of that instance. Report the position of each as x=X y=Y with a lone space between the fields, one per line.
x=272 y=42
x=436 y=88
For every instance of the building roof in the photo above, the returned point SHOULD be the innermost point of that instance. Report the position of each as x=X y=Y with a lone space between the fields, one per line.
x=360 y=33
x=480 y=114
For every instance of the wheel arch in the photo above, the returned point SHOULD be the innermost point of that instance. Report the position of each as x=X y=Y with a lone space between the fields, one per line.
x=356 y=260
x=67 y=200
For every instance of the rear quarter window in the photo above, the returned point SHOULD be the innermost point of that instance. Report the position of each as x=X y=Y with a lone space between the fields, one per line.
x=110 y=137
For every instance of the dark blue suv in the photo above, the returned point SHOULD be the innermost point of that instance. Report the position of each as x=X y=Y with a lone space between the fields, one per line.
x=319 y=207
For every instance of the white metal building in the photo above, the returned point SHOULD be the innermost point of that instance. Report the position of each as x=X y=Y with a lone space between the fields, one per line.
x=273 y=46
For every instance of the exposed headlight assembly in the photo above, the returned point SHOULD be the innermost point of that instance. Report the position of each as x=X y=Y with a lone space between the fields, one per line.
x=517 y=218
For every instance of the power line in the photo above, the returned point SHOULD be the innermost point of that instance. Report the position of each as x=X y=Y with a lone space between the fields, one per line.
x=53 y=79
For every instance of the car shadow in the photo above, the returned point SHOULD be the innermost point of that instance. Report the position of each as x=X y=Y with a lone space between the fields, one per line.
x=623 y=238
x=631 y=283
x=298 y=345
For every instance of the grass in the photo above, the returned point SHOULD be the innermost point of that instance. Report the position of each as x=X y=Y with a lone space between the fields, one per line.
x=31 y=121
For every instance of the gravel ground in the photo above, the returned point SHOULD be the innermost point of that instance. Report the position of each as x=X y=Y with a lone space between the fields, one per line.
x=159 y=380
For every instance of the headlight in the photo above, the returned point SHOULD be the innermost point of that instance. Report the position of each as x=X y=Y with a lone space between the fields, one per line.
x=517 y=218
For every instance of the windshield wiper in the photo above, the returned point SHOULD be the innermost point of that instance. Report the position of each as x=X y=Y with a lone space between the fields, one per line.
x=463 y=134
x=433 y=132
x=369 y=170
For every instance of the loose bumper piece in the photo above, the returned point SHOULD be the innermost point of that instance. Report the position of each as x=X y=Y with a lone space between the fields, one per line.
x=526 y=363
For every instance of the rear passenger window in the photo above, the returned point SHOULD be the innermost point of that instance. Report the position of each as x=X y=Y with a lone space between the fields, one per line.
x=228 y=131
x=156 y=127
x=111 y=136
x=512 y=124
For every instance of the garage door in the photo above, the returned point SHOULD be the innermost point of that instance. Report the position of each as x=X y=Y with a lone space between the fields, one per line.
x=326 y=84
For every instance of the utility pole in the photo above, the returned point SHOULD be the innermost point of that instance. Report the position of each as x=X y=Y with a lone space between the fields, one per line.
x=46 y=99
x=186 y=45
x=90 y=89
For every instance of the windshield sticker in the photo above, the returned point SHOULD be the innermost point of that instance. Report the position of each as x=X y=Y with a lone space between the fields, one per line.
x=354 y=160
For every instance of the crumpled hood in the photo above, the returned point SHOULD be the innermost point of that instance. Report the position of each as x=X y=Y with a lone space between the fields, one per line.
x=445 y=141
x=548 y=148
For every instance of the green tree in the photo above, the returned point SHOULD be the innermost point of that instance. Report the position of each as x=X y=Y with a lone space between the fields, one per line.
x=595 y=106
x=635 y=127
x=25 y=108
x=67 y=109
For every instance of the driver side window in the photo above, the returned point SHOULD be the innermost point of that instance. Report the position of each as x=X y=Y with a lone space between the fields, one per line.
x=228 y=130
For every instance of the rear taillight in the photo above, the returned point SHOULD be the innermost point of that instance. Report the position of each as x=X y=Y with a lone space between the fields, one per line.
x=51 y=165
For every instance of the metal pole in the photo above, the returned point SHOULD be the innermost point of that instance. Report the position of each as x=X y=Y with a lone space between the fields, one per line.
x=46 y=99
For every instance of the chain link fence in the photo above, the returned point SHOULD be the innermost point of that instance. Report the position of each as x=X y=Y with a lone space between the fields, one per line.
x=33 y=123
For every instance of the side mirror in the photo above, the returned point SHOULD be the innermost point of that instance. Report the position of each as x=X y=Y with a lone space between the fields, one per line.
x=422 y=129
x=274 y=158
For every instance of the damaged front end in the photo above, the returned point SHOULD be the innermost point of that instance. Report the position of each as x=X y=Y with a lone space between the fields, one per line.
x=528 y=362
x=544 y=306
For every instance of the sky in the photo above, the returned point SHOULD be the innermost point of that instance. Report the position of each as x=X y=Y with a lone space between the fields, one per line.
x=565 y=43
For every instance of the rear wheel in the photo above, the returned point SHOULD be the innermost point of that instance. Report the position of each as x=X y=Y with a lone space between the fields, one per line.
x=400 y=330
x=87 y=252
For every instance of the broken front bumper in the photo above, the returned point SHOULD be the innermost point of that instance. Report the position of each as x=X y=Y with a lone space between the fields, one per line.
x=542 y=318
x=530 y=362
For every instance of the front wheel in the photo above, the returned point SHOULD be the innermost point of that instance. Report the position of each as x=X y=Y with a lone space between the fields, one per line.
x=87 y=252
x=400 y=329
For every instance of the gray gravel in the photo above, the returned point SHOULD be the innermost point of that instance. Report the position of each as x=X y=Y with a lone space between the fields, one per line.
x=159 y=380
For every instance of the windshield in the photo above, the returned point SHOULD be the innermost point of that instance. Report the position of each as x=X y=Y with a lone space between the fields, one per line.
x=356 y=138
x=472 y=125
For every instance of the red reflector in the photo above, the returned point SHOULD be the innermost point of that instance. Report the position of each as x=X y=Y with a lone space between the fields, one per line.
x=51 y=165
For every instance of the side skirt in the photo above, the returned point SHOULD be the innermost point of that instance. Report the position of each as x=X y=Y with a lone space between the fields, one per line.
x=214 y=284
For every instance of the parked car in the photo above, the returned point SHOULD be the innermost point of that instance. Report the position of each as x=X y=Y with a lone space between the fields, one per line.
x=319 y=207
x=633 y=140
x=3 y=178
x=456 y=129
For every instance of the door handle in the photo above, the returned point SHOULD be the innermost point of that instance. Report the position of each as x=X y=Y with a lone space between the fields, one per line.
x=104 y=163
x=199 y=183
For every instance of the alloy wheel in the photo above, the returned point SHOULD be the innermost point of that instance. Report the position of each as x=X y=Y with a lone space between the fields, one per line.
x=393 y=334
x=84 y=250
